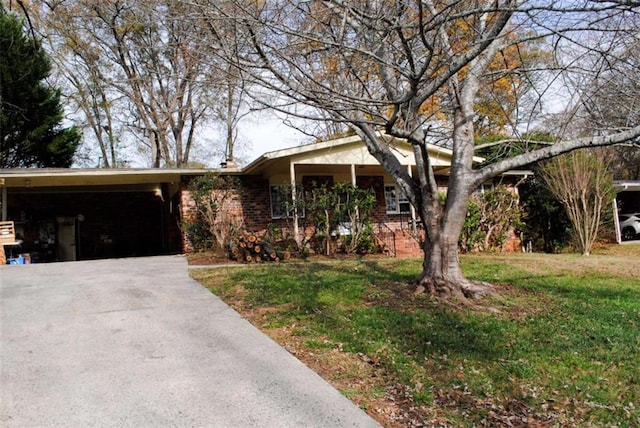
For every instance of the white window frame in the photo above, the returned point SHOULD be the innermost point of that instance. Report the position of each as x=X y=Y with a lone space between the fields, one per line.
x=284 y=212
x=398 y=199
x=487 y=186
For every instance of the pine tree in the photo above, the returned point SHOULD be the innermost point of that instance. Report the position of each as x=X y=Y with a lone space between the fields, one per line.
x=31 y=134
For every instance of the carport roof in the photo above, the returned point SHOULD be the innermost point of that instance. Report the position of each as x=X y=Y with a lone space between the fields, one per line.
x=629 y=185
x=50 y=177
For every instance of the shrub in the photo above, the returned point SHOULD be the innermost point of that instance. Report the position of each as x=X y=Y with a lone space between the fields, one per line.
x=582 y=181
x=492 y=216
x=546 y=226
x=341 y=216
x=213 y=222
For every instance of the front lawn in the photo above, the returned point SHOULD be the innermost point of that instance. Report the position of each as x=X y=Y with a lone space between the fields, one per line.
x=558 y=345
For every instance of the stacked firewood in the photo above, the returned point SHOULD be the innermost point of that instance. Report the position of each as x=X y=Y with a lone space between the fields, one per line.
x=249 y=248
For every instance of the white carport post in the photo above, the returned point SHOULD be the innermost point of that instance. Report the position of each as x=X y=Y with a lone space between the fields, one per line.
x=616 y=220
x=292 y=177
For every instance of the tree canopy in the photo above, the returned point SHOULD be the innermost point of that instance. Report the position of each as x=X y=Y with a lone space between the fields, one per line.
x=31 y=134
x=142 y=83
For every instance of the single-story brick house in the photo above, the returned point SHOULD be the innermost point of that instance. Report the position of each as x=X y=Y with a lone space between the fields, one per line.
x=78 y=214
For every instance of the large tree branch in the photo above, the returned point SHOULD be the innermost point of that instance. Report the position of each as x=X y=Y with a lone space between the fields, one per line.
x=457 y=62
x=484 y=173
x=380 y=150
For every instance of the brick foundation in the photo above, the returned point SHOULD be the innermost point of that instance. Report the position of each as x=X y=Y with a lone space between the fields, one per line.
x=407 y=245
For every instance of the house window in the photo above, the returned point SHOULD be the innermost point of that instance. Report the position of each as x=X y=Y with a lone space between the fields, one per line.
x=483 y=188
x=396 y=201
x=282 y=202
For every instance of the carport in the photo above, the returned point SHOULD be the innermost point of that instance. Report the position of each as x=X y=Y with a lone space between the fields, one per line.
x=82 y=214
x=627 y=201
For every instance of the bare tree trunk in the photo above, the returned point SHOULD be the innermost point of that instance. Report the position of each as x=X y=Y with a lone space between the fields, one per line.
x=230 y=124
x=155 y=149
x=441 y=274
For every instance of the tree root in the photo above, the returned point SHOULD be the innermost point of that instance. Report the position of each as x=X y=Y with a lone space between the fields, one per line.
x=477 y=289
x=463 y=289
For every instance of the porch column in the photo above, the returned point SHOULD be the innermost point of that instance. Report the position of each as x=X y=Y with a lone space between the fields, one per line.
x=353 y=183
x=292 y=177
x=412 y=209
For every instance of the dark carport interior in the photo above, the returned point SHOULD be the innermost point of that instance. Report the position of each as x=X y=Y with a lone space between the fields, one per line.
x=91 y=223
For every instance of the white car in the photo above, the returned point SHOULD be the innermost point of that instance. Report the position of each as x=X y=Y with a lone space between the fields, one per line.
x=629 y=226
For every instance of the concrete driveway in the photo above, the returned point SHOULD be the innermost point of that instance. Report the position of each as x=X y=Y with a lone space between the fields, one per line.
x=137 y=343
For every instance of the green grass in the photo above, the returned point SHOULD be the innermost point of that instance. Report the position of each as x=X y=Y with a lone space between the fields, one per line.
x=559 y=343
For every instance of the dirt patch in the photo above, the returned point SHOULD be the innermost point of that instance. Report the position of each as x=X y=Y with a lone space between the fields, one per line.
x=201 y=258
x=220 y=258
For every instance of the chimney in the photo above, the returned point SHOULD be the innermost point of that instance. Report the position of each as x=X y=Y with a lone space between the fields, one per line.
x=229 y=163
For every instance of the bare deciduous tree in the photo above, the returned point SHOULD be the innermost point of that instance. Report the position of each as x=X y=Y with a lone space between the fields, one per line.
x=582 y=182
x=612 y=100
x=137 y=73
x=406 y=68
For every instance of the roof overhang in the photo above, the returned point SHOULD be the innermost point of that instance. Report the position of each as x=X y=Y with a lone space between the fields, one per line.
x=342 y=151
x=346 y=151
x=627 y=186
x=67 y=177
x=524 y=173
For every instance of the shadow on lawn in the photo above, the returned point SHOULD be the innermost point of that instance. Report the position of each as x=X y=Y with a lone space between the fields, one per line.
x=367 y=303
x=569 y=328
x=369 y=306
x=425 y=334
x=313 y=285
x=587 y=288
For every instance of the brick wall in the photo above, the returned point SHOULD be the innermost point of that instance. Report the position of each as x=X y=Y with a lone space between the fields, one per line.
x=256 y=202
x=252 y=203
x=407 y=245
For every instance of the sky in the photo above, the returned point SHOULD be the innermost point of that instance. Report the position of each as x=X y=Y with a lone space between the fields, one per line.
x=265 y=134
x=257 y=136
